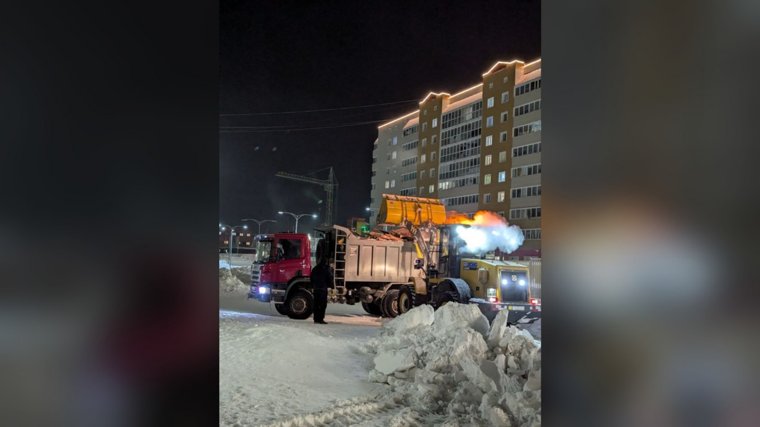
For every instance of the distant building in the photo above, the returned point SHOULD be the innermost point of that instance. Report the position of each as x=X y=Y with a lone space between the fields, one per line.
x=242 y=241
x=479 y=148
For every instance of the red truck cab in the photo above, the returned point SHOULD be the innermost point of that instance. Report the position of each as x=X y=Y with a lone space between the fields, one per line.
x=279 y=259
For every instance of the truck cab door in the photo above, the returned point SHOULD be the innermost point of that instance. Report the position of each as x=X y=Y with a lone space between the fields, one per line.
x=290 y=259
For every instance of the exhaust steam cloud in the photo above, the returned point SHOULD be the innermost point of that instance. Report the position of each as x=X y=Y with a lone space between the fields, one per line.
x=487 y=232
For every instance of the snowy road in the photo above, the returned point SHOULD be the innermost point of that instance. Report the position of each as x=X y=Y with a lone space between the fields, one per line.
x=272 y=368
x=276 y=371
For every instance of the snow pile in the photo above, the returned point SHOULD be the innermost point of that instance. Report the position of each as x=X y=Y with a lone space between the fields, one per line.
x=231 y=280
x=450 y=366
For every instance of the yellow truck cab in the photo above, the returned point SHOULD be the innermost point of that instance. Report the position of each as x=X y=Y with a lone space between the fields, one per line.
x=500 y=285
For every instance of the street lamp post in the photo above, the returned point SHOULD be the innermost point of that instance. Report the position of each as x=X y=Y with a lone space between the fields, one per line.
x=258 y=222
x=232 y=231
x=297 y=216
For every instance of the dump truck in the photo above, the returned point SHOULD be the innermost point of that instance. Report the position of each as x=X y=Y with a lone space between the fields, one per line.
x=418 y=259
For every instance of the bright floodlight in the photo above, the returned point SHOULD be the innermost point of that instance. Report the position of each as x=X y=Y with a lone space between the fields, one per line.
x=366 y=209
x=223 y=228
x=279 y=212
x=313 y=215
x=245 y=226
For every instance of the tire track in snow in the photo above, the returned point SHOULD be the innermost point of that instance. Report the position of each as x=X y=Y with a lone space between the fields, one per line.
x=368 y=411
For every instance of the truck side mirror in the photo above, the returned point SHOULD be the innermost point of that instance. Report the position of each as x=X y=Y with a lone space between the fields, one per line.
x=418 y=263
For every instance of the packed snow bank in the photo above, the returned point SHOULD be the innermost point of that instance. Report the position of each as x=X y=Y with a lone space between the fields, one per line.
x=230 y=280
x=450 y=366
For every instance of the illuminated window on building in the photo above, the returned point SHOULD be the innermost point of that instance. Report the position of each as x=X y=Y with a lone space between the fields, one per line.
x=526 y=129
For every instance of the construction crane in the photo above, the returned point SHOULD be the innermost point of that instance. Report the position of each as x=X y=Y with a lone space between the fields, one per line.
x=330 y=185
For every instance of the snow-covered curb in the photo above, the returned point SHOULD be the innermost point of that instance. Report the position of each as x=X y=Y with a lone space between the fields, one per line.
x=450 y=366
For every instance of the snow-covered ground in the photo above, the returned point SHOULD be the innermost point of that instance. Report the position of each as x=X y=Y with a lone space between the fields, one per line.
x=272 y=368
x=238 y=260
x=362 y=370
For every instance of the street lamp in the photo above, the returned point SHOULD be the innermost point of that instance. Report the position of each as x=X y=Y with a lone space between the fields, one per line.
x=296 y=216
x=258 y=222
x=223 y=227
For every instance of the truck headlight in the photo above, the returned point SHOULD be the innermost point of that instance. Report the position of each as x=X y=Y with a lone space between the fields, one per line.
x=504 y=281
x=263 y=290
x=521 y=282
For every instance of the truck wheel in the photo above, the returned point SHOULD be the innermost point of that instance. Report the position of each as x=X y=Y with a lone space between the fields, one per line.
x=300 y=305
x=389 y=303
x=372 y=308
x=451 y=290
x=282 y=309
x=406 y=299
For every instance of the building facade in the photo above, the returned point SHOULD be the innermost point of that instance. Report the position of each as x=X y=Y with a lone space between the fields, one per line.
x=242 y=241
x=478 y=149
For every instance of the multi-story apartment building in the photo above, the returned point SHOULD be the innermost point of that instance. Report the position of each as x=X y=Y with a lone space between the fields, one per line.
x=479 y=148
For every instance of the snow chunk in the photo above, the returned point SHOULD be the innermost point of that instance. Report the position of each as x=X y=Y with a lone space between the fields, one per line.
x=454 y=315
x=391 y=361
x=422 y=315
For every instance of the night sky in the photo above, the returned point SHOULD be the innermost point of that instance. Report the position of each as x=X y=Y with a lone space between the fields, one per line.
x=282 y=56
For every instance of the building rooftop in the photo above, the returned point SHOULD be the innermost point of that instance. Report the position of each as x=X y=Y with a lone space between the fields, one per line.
x=528 y=76
x=468 y=95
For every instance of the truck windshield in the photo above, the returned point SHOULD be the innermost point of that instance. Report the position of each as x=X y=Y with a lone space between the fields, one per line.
x=514 y=286
x=263 y=251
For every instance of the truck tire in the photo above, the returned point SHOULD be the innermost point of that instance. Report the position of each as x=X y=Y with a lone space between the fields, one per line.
x=300 y=304
x=372 y=308
x=450 y=289
x=282 y=309
x=389 y=303
x=406 y=299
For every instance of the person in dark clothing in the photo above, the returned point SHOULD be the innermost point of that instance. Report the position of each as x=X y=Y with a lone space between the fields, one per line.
x=321 y=279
